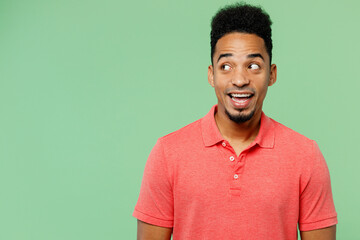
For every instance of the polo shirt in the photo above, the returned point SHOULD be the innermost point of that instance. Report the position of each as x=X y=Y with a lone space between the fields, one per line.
x=196 y=184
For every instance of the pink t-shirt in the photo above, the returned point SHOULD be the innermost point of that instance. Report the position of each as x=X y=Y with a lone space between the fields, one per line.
x=195 y=183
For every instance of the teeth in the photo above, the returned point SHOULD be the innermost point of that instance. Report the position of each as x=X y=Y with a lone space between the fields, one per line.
x=240 y=95
x=239 y=100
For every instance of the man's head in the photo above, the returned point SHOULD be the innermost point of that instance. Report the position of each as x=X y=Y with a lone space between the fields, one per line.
x=241 y=68
x=241 y=18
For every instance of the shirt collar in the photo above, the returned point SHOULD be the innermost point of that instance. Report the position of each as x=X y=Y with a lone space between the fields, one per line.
x=211 y=134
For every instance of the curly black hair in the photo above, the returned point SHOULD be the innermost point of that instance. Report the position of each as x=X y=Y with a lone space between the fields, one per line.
x=243 y=18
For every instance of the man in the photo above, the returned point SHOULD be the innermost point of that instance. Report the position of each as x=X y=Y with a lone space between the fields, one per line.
x=236 y=173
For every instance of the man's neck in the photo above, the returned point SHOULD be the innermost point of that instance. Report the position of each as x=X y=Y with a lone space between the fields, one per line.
x=238 y=133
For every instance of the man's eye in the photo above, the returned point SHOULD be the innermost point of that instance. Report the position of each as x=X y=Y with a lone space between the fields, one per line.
x=254 y=66
x=225 y=67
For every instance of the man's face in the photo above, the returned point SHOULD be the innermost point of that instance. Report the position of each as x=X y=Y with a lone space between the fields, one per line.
x=241 y=74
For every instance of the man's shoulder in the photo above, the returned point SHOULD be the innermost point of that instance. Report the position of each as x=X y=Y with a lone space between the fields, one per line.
x=286 y=135
x=186 y=133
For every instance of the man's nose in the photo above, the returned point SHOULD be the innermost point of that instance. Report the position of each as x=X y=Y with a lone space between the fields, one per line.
x=240 y=78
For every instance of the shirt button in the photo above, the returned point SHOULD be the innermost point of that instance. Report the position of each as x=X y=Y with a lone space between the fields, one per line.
x=236 y=176
x=224 y=144
x=232 y=158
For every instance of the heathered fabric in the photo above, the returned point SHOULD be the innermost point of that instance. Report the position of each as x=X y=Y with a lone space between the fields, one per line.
x=194 y=182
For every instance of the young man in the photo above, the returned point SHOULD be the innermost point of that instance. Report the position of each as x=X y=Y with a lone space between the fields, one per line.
x=236 y=173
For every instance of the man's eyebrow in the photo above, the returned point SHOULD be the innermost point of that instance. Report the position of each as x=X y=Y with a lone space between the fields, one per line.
x=252 y=55
x=224 y=55
x=255 y=55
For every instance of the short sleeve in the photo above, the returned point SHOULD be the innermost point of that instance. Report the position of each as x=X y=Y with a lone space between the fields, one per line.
x=155 y=203
x=317 y=208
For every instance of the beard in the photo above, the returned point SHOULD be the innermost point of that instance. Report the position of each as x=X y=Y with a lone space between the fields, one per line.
x=241 y=117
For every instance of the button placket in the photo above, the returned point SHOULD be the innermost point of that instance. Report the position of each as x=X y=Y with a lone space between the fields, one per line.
x=228 y=152
x=242 y=157
x=239 y=166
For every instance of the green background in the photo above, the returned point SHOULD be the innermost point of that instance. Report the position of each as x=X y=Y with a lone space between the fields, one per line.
x=86 y=88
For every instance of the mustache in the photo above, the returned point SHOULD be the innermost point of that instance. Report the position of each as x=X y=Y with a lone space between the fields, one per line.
x=238 y=89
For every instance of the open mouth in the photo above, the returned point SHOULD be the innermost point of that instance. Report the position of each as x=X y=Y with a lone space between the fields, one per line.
x=240 y=97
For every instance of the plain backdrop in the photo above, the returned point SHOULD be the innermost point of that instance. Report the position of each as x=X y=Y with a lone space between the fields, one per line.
x=87 y=87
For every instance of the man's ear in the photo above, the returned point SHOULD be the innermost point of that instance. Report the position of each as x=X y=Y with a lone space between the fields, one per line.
x=273 y=74
x=211 y=75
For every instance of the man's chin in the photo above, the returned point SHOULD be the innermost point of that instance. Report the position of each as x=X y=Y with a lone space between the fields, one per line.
x=241 y=116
